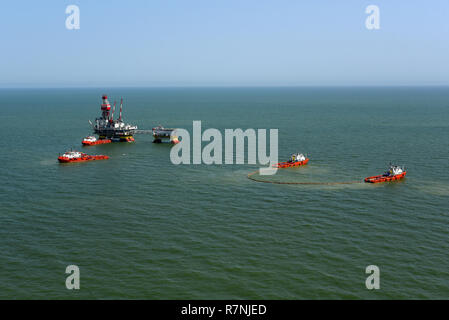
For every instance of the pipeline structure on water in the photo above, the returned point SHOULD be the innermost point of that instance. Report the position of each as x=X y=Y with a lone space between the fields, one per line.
x=250 y=176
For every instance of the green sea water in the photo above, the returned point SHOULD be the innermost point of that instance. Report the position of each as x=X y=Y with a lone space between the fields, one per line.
x=140 y=227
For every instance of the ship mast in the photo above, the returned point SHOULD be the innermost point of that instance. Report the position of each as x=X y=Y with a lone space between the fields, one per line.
x=112 y=116
x=121 y=105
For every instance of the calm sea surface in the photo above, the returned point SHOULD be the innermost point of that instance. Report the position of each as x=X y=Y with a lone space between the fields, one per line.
x=140 y=227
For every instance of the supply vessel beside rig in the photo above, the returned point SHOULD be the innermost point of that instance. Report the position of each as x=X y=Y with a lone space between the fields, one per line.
x=92 y=141
x=109 y=129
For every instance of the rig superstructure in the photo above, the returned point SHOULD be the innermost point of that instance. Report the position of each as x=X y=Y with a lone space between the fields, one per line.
x=108 y=128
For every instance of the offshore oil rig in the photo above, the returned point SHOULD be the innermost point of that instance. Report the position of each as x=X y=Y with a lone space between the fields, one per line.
x=109 y=129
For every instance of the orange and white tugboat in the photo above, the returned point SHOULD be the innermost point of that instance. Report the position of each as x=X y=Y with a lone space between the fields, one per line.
x=92 y=141
x=296 y=160
x=393 y=174
x=76 y=156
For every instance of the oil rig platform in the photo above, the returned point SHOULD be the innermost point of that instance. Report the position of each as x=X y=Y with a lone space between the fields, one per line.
x=108 y=128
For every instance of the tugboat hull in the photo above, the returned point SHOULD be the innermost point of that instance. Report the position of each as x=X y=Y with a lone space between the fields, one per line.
x=93 y=143
x=82 y=159
x=384 y=178
x=289 y=164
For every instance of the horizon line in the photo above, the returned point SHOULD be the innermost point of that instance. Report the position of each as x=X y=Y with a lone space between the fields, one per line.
x=228 y=86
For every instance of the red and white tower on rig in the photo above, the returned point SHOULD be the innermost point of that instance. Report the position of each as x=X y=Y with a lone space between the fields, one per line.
x=105 y=107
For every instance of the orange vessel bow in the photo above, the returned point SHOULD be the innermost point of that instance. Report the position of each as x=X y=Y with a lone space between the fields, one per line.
x=75 y=156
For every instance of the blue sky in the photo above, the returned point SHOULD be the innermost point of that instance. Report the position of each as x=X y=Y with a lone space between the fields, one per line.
x=223 y=43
